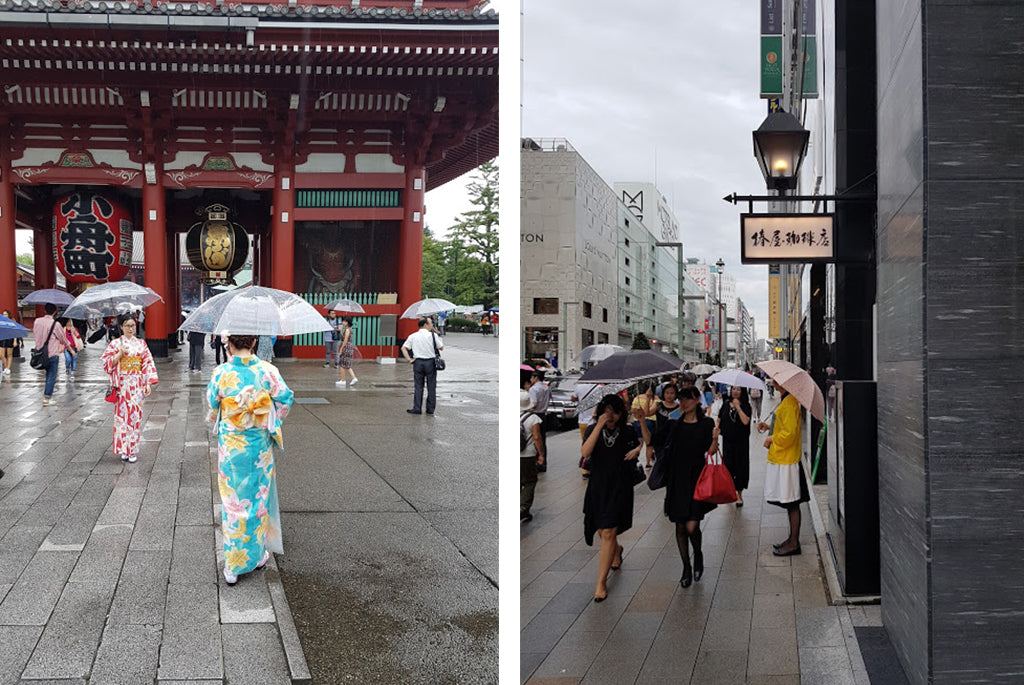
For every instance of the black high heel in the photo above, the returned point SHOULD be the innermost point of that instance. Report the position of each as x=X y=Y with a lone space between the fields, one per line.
x=618 y=553
x=687 y=578
x=698 y=565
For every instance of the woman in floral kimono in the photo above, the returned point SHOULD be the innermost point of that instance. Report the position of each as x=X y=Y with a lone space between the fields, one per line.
x=248 y=399
x=129 y=365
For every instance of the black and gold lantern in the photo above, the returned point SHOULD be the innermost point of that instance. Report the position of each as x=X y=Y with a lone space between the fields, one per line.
x=217 y=246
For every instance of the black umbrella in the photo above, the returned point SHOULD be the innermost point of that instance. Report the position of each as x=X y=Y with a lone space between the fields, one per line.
x=632 y=365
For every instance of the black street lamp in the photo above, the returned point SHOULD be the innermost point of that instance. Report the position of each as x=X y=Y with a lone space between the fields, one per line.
x=721 y=312
x=780 y=144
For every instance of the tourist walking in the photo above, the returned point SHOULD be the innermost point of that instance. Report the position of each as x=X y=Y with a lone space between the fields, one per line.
x=74 y=345
x=332 y=338
x=643 y=408
x=734 y=426
x=784 y=482
x=693 y=437
x=247 y=399
x=610 y=449
x=130 y=368
x=48 y=335
x=196 y=340
x=755 y=403
x=540 y=398
x=217 y=342
x=666 y=414
x=420 y=349
x=347 y=352
x=531 y=454
x=265 y=347
x=7 y=349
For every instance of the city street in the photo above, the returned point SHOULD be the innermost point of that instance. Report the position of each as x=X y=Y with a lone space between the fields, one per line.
x=752 y=618
x=110 y=572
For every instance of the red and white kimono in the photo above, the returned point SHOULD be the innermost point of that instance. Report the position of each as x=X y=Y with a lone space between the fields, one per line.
x=131 y=374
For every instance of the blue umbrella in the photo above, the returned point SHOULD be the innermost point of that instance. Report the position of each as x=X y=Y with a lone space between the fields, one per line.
x=11 y=329
x=493 y=309
x=49 y=296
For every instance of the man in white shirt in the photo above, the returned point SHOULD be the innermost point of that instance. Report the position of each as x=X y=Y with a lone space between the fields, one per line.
x=540 y=397
x=420 y=345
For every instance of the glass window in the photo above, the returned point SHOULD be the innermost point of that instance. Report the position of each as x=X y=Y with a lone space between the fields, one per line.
x=587 y=310
x=545 y=305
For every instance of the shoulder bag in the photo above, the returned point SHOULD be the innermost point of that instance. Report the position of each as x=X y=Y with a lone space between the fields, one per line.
x=41 y=355
x=438 y=362
x=715 y=484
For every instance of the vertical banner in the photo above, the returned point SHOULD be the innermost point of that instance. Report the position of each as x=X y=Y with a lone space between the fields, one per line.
x=774 y=302
x=771 y=48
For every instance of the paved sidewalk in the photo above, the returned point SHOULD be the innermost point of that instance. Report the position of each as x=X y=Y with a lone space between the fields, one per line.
x=110 y=572
x=752 y=618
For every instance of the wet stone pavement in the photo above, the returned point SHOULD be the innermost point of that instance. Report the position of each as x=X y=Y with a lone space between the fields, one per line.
x=752 y=618
x=110 y=572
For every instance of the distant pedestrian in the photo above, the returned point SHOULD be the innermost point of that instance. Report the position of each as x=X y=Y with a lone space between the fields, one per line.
x=644 y=406
x=247 y=399
x=420 y=349
x=667 y=412
x=688 y=379
x=610 y=449
x=332 y=338
x=494 y=323
x=74 y=344
x=129 y=365
x=784 y=482
x=540 y=398
x=48 y=334
x=755 y=402
x=7 y=349
x=442 y=323
x=265 y=347
x=531 y=454
x=485 y=323
x=196 y=340
x=693 y=437
x=346 y=352
x=218 y=342
x=734 y=426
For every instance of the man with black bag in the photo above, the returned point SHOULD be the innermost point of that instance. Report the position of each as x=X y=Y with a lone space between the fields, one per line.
x=424 y=346
x=48 y=349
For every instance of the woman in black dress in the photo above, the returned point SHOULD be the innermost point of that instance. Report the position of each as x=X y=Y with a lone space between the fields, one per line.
x=734 y=425
x=611 y=449
x=666 y=414
x=693 y=437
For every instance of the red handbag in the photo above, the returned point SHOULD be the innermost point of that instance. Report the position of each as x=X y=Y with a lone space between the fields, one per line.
x=715 y=484
x=111 y=393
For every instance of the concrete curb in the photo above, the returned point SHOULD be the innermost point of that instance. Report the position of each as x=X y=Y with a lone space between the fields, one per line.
x=298 y=670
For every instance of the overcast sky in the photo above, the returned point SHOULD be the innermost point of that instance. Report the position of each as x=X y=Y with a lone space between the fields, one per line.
x=660 y=91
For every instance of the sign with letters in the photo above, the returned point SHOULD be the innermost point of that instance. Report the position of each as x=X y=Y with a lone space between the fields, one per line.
x=787 y=238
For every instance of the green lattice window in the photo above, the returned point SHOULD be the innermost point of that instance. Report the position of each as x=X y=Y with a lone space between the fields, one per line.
x=348 y=198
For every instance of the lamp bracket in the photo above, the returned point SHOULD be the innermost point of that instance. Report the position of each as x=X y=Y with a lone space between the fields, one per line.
x=751 y=199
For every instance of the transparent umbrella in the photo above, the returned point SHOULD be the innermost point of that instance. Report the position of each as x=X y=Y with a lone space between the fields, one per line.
x=431 y=305
x=702 y=369
x=737 y=377
x=345 y=306
x=255 y=310
x=111 y=299
x=595 y=353
x=49 y=296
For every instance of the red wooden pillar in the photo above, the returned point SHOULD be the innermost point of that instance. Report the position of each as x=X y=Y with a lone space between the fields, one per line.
x=266 y=254
x=8 y=245
x=154 y=231
x=45 y=267
x=410 y=246
x=282 y=240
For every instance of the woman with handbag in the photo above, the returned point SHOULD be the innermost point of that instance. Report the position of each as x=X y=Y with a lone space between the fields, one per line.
x=129 y=364
x=610 y=449
x=734 y=425
x=248 y=399
x=693 y=437
x=74 y=346
x=347 y=352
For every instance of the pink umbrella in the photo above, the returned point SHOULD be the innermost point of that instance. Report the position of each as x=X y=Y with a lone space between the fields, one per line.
x=524 y=367
x=797 y=383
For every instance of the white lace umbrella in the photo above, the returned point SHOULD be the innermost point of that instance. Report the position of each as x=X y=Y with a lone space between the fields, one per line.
x=255 y=310
x=111 y=299
x=431 y=305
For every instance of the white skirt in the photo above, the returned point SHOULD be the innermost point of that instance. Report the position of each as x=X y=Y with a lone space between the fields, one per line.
x=784 y=484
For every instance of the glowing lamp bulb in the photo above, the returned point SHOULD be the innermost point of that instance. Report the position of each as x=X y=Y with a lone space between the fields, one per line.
x=781 y=166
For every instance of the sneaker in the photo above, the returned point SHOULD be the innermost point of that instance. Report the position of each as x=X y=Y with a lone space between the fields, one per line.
x=7 y=372
x=132 y=459
x=124 y=457
x=339 y=383
x=525 y=516
x=327 y=366
x=266 y=558
x=230 y=578
x=47 y=401
x=354 y=381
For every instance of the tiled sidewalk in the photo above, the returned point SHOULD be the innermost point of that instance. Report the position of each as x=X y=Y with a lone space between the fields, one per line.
x=753 y=617
x=110 y=572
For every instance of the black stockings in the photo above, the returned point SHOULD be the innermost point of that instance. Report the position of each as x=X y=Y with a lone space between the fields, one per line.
x=687 y=534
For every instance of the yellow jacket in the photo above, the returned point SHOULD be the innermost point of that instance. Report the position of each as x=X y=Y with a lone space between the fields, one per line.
x=785 y=448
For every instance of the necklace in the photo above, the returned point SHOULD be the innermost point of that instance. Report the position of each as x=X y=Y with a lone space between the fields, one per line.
x=609 y=438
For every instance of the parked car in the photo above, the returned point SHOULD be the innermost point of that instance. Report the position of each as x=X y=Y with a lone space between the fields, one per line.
x=562 y=406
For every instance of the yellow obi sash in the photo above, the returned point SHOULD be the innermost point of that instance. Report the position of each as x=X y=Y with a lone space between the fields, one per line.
x=130 y=364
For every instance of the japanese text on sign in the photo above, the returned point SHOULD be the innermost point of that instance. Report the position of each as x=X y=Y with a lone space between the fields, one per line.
x=774 y=238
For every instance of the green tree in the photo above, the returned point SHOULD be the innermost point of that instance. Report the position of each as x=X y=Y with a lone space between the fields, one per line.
x=26 y=258
x=475 y=239
x=435 y=275
x=640 y=342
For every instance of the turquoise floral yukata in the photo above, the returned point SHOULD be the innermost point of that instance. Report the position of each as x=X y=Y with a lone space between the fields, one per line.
x=248 y=399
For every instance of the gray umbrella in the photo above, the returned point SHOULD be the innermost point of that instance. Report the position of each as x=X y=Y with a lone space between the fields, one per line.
x=49 y=296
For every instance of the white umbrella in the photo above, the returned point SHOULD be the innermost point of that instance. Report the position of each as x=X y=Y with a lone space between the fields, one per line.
x=595 y=353
x=345 y=306
x=702 y=369
x=736 y=377
x=111 y=299
x=255 y=310
x=431 y=305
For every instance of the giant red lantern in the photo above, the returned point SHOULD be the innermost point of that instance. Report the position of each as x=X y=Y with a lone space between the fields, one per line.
x=92 y=238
